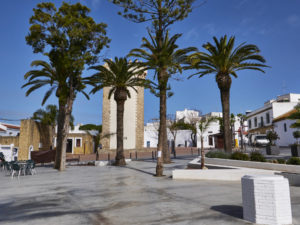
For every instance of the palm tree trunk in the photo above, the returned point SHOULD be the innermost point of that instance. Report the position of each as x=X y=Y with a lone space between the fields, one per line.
x=120 y=98
x=225 y=94
x=242 y=139
x=64 y=114
x=202 y=153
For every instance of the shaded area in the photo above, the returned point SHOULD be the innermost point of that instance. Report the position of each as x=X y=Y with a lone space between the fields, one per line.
x=230 y=210
x=139 y=170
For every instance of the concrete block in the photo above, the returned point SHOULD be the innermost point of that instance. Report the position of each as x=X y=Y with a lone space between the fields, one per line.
x=266 y=199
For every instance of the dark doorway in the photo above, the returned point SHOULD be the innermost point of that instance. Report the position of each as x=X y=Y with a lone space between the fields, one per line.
x=69 y=145
x=210 y=140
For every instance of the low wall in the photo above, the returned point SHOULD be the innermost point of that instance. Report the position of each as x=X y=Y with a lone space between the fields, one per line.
x=8 y=140
x=256 y=165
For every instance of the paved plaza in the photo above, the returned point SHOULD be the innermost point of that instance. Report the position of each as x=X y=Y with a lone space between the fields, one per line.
x=128 y=195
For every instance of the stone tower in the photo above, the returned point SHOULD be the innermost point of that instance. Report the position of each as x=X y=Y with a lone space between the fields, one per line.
x=133 y=120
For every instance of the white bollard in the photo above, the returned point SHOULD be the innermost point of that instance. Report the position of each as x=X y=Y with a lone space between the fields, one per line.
x=266 y=199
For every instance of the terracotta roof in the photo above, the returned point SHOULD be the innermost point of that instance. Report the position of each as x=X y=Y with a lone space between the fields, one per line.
x=284 y=116
x=11 y=126
x=2 y=129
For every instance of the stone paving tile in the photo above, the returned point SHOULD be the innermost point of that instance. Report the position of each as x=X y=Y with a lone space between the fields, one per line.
x=129 y=195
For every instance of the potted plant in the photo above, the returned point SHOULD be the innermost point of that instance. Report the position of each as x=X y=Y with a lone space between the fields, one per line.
x=295 y=148
x=271 y=148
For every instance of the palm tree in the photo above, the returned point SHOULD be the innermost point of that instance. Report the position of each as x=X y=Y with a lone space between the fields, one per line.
x=164 y=57
x=224 y=60
x=66 y=83
x=120 y=75
x=49 y=116
x=204 y=124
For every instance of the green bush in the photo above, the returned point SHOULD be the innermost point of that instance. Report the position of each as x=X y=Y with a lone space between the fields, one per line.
x=217 y=154
x=281 y=161
x=293 y=161
x=239 y=156
x=257 y=156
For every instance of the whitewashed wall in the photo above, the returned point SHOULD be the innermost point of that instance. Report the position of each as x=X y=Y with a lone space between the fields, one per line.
x=286 y=137
x=151 y=136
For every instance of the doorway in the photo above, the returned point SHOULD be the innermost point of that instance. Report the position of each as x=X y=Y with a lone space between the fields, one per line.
x=69 y=145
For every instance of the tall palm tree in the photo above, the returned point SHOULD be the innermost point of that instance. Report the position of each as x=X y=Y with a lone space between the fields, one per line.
x=224 y=60
x=204 y=124
x=120 y=75
x=164 y=57
x=66 y=83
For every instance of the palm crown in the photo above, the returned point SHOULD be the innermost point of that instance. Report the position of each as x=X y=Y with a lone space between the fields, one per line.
x=167 y=57
x=55 y=76
x=223 y=59
x=118 y=74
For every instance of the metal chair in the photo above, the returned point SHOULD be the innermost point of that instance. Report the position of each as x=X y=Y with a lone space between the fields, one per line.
x=30 y=167
x=7 y=168
x=15 y=169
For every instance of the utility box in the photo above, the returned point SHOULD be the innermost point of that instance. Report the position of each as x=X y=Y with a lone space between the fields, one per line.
x=266 y=199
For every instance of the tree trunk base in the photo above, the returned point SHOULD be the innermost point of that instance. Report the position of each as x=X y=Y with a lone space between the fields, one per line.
x=120 y=162
x=204 y=168
x=159 y=171
x=167 y=161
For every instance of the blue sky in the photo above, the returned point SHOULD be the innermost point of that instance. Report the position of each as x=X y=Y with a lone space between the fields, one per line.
x=272 y=25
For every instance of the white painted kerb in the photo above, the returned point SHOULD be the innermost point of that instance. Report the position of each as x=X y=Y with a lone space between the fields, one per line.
x=266 y=199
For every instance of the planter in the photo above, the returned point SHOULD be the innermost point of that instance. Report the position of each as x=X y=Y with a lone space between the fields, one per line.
x=272 y=150
x=295 y=150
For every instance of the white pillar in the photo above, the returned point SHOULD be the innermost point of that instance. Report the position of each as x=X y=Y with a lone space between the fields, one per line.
x=266 y=200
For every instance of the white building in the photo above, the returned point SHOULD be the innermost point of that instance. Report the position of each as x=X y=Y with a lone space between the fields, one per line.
x=183 y=137
x=260 y=120
x=187 y=115
x=9 y=129
x=282 y=128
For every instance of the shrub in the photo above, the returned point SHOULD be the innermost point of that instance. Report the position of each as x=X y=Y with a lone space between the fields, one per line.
x=239 y=156
x=272 y=136
x=217 y=154
x=296 y=135
x=293 y=161
x=281 y=161
x=257 y=156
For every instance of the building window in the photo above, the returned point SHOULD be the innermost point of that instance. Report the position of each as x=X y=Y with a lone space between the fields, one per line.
x=148 y=144
x=78 y=142
x=249 y=124
x=284 y=127
x=261 y=121
x=268 y=117
x=255 y=122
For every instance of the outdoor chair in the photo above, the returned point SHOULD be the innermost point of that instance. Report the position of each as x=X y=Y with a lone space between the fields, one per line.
x=15 y=169
x=7 y=168
x=30 y=167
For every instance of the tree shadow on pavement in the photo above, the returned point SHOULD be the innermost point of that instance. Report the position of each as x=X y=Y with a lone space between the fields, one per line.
x=139 y=170
x=230 y=210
